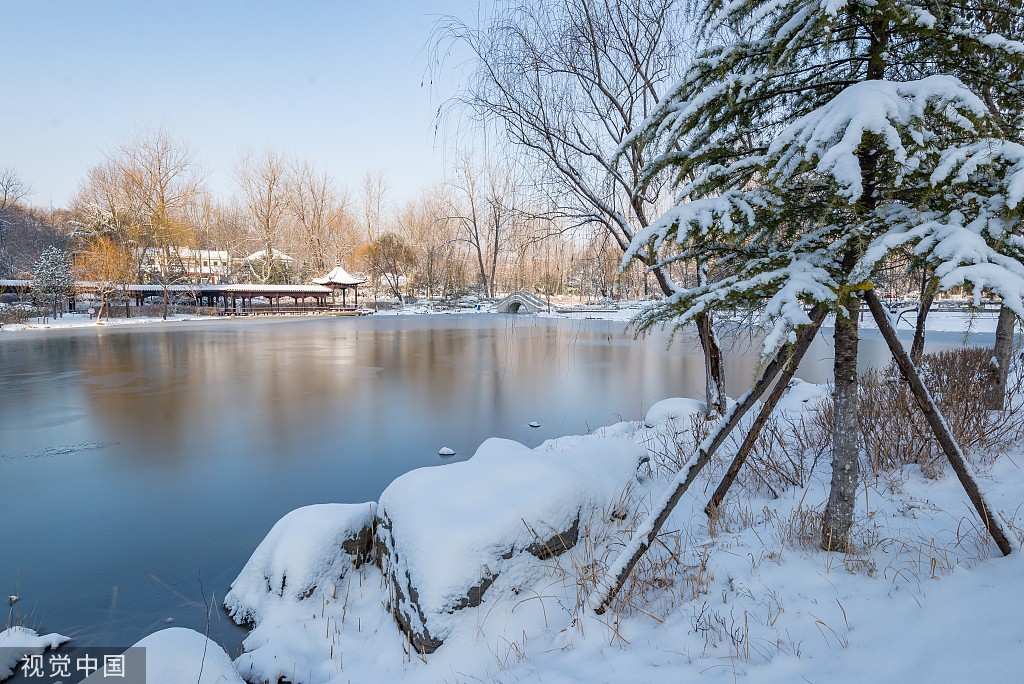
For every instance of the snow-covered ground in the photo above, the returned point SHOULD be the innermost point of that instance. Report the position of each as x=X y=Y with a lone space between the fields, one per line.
x=78 y=320
x=938 y=320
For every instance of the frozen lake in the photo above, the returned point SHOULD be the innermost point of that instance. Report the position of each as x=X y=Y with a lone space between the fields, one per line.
x=140 y=467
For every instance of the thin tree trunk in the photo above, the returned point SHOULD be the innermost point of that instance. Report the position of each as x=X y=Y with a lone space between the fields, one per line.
x=839 y=511
x=993 y=523
x=929 y=288
x=714 y=373
x=795 y=353
x=714 y=379
x=651 y=527
x=999 y=366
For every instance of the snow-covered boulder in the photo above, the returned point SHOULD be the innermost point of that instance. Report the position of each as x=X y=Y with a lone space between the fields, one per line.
x=679 y=410
x=18 y=642
x=446 y=534
x=311 y=548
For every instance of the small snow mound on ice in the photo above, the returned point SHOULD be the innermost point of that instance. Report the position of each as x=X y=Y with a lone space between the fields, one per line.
x=678 y=409
x=302 y=552
x=446 y=451
x=18 y=642
x=184 y=656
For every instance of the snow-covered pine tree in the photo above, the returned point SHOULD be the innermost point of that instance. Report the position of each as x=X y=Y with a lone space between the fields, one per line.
x=833 y=133
x=52 y=277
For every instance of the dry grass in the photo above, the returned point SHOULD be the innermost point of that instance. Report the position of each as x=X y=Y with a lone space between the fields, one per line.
x=893 y=429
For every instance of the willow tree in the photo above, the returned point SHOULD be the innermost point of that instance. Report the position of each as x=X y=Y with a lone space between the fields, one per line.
x=158 y=178
x=805 y=153
x=565 y=83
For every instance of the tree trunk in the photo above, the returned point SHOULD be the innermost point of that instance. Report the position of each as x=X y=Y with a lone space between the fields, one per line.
x=838 y=518
x=795 y=353
x=714 y=373
x=714 y=378
x=929 y=288
x=648 y=531
x=999 y=366
x=1003 y=537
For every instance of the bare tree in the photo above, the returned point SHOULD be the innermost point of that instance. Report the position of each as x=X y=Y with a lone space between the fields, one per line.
x=438 y=260
x=374 y=194
x=109 y=265
x=105 y=207
x=565 y=83
x=262 y=179
x=318 y=209
x=161 y=178
x=483 y=204
x=12 y=191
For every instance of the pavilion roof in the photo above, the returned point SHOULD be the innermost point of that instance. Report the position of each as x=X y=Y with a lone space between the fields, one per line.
x=338 y=276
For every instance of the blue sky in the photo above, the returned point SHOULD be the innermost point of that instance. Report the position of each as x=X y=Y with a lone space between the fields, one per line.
x=342 y=83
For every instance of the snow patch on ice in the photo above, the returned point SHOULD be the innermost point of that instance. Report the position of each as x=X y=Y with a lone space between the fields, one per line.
x=17 y=642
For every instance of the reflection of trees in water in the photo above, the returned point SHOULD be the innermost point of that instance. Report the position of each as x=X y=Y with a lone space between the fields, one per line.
x=276 y=390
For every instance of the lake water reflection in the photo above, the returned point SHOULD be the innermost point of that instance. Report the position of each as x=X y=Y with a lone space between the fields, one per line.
x=140 y=467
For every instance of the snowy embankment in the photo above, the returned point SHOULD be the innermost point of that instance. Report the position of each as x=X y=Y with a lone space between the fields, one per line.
x=490 y=564
x=78 y=320
x=939 y=320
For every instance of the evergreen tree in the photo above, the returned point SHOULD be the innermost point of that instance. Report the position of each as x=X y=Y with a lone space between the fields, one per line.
x=833 y=133
x=52 y=277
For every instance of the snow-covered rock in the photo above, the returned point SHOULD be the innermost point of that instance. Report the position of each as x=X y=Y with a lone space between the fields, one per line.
x=678 y=409
x=182 y=656
x=311 y=548
x=446 y=534
x=18 y=642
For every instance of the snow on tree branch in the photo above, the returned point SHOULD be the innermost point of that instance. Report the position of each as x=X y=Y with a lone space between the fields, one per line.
x=831 y=136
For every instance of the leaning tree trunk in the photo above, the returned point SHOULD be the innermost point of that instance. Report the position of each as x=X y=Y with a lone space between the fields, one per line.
x=838 y=518
x=648 y=531
x=994 y=523
x=999 y=366
x=929 y=288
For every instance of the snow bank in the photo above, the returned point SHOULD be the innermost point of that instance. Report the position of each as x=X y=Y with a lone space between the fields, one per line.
x=26 y=642
x=183 y=656
x=750 y=598
x=447 y=533
x=677 y=409
x=310 y=548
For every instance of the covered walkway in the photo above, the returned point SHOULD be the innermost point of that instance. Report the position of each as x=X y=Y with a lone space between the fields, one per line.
x=234 y=299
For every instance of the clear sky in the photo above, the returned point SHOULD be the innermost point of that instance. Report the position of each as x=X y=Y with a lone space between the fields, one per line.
x=340 y=82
